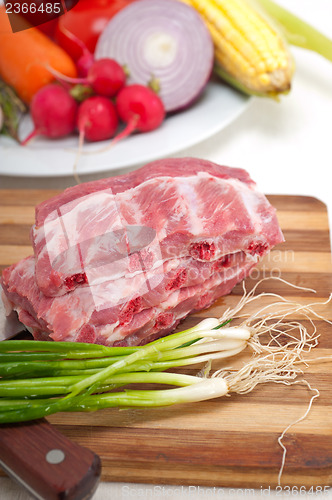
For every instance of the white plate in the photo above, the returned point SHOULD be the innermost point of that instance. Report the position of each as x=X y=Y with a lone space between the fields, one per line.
x=217 y=107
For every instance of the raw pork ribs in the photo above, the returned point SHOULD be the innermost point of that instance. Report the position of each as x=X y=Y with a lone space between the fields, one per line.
x=123 y=260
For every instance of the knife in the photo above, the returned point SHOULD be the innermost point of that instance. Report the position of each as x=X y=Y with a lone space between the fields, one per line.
x=35 y=454
x=9 y=325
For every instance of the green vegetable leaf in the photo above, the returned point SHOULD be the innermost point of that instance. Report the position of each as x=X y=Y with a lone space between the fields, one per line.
x=297 y=31
x=12 y=108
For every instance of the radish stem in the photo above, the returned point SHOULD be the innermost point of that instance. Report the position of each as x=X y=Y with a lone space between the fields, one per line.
x=75 y=39
x=129 y=129
x=32 y=134
x=63 y=78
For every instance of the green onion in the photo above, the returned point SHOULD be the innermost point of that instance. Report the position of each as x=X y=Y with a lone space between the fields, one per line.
x=54 y=377
x=150 y=351
x=197 y=389
x=41 y=378
x=61 y=385
x=63 y=349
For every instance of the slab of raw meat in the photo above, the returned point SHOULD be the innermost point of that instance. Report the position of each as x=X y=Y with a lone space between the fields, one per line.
x=123 y=260
x=127 y=312
x=118 y=227
x=173 y=167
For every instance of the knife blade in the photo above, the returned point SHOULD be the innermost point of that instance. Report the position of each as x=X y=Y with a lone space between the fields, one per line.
x=9 y=325
x=38 y=456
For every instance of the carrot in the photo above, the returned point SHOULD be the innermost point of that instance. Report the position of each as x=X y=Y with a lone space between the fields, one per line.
x=24 y=57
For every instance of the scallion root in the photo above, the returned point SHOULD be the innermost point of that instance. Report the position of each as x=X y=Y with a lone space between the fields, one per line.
x=282 y=357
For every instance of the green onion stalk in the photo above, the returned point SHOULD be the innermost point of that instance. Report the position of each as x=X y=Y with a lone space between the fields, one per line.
x=42 y=378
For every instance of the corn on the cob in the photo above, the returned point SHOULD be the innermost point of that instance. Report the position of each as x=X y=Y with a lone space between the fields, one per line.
x=249 y=52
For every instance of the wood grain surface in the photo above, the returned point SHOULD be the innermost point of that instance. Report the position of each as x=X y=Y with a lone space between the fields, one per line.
x=229 y=441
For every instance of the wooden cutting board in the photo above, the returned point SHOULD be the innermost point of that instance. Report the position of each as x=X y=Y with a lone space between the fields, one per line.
x=227 y=441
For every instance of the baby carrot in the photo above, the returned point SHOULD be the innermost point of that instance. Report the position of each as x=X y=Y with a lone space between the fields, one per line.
x=24 y=57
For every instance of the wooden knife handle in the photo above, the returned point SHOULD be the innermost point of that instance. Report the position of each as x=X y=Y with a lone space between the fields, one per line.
x=46 y=463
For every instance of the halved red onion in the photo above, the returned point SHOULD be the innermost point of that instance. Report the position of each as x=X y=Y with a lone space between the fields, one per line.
x=163 y=41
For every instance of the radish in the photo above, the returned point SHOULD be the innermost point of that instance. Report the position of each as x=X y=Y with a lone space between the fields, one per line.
x=97 y=119
x=105 y=76
x=140 y=108
x=53 y=111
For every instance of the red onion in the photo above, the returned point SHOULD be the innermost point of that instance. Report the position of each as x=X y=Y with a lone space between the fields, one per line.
x=162 y=43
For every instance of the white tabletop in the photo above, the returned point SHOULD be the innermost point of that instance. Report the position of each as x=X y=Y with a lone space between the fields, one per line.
x=286 y=146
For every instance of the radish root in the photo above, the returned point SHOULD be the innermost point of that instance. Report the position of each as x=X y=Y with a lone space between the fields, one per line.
x=78 y=154
x=128 y=130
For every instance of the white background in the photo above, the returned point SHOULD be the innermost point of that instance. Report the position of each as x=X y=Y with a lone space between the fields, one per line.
x=287 y=149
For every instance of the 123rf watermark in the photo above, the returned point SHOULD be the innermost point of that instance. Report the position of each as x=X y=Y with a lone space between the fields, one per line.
x=210 y=493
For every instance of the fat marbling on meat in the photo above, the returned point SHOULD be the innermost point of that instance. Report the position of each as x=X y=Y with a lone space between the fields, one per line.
x=170 y=208
x=123 y=260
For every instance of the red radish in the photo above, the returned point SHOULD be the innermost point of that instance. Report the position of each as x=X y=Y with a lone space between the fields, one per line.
x=53 y=111
x=105 y=76
x=136 y=105
x=141 y=108
x=97 y=119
